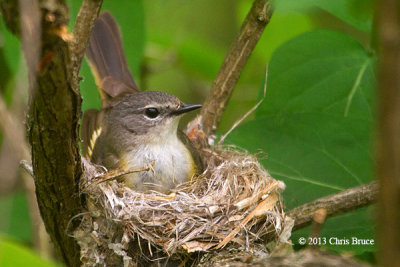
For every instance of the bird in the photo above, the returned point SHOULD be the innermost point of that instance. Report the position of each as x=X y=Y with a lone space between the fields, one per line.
x=134 y=128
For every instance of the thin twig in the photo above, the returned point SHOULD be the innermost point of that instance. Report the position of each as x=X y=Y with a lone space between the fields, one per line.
x=344 y=201
x=114 y=174
x=222 y=88
x=88 y=13
x=236 y=124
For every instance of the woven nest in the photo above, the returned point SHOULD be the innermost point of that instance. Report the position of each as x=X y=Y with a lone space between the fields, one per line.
x=232 y=205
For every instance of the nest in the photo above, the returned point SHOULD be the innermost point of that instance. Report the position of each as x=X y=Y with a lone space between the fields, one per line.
x=234 y=204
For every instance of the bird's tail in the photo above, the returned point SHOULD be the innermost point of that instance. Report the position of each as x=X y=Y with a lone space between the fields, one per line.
x=107 y=60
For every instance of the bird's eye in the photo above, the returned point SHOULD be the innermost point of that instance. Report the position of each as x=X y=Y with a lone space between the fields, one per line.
x=152 y=112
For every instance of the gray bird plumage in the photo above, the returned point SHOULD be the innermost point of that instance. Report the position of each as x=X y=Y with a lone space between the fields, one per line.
x=134 y=129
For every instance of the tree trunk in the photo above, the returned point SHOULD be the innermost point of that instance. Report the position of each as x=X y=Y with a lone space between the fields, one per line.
x=55 y=109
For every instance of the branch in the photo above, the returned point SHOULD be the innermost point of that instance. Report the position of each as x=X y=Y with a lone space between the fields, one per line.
x=53 y=120
x=388 y=130
x=53 y=134
x=222 y=88
x=88 y=13
x=344 y=201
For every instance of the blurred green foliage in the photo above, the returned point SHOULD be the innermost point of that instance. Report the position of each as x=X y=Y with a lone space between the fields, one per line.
x=315 y=123
x=9 y=62
x=15 y=254
x=18 y=224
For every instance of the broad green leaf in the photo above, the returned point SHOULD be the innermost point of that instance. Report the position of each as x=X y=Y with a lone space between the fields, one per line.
x=316 y=121
x=357 y=13
x=13 y=254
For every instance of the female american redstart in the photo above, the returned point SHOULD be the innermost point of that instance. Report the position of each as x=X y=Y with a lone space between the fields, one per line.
x=134 y=128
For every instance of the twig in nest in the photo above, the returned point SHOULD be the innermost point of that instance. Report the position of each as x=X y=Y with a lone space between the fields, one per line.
x=248 y=112
x=114 y=174
x=264 y=206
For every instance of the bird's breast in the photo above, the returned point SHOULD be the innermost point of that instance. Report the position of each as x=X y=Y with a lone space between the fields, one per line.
x=169 y=162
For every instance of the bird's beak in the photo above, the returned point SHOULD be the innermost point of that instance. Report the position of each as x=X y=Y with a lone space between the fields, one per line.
x=185 y=108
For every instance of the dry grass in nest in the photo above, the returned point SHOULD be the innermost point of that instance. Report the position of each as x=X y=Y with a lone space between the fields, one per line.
x=233 y=204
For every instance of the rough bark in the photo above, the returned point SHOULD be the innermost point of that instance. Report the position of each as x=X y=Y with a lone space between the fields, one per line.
x=53 y=135
x=53 y=119
x=388 y=131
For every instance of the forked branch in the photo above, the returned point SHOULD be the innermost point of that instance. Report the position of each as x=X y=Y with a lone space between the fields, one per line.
x=241 y=49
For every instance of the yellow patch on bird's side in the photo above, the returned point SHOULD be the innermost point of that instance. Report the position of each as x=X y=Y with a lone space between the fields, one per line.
x=92 y=141
x=193 y=171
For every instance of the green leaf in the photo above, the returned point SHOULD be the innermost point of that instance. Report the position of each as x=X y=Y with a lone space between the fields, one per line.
x=13 y=254
x=316 y=121
x=357 y=13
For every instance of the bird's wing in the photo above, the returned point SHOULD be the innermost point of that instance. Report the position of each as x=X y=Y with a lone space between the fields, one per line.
x=90 y=130
x=107 y=60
